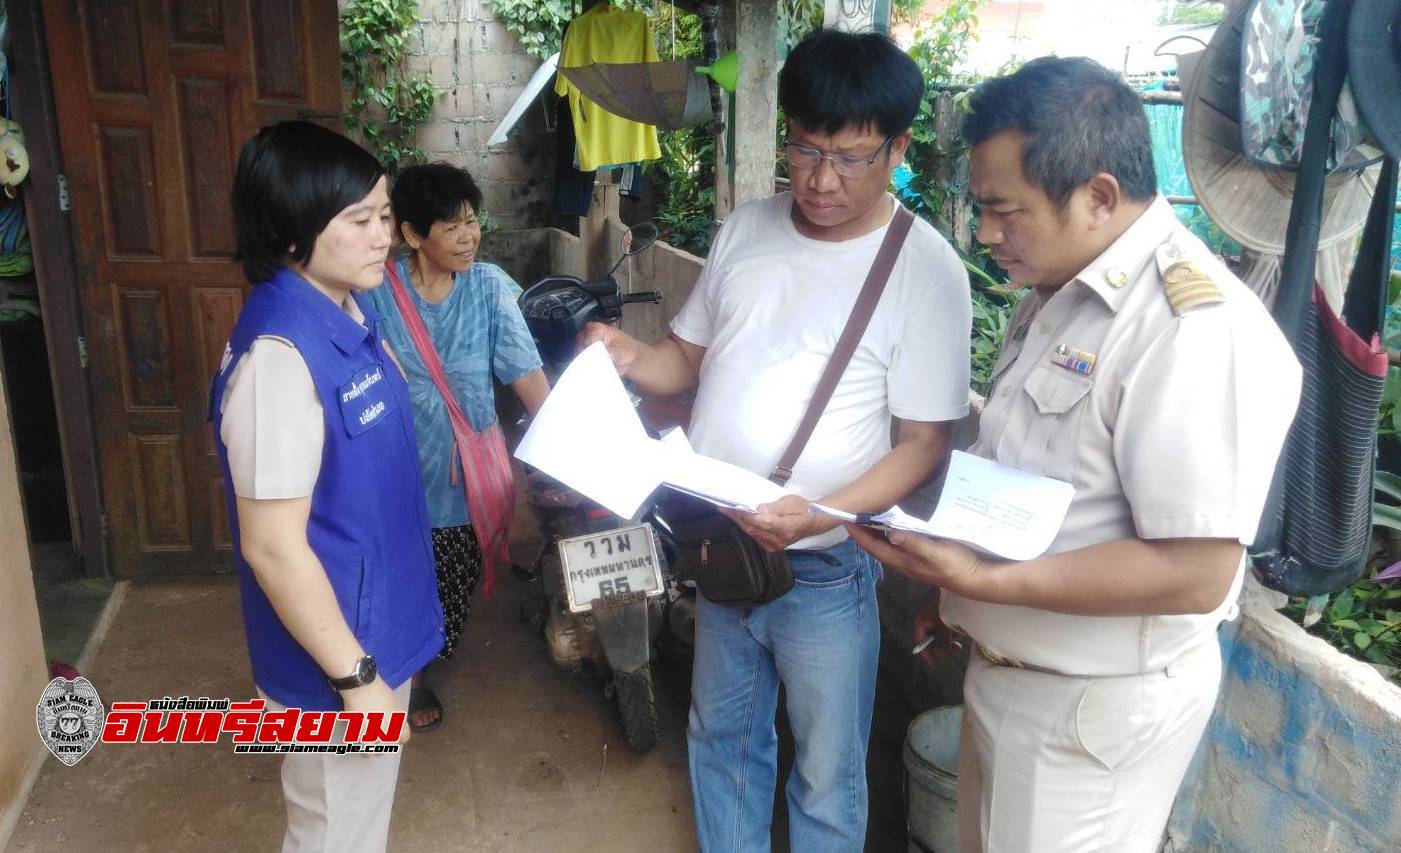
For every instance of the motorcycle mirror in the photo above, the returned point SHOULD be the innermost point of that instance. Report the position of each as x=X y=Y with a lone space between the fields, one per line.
x=639 y=237
x=635 y=240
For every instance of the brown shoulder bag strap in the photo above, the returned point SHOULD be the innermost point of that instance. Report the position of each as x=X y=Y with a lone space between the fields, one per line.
x=851 y=336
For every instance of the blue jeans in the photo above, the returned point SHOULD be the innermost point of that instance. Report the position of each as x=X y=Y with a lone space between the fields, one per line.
x=821 y=640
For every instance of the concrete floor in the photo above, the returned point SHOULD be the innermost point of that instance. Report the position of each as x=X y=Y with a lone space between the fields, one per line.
x=528 y=758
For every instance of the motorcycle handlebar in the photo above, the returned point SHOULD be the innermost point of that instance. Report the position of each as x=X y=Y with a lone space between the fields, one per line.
x=653 y=296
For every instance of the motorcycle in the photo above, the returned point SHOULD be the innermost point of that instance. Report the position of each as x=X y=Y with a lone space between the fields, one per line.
x=606 y=592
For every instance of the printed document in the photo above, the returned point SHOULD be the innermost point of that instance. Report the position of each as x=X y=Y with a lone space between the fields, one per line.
x=998 y=510
x=587 y=436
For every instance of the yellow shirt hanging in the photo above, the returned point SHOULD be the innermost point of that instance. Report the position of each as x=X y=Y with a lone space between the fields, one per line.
x=608 y=35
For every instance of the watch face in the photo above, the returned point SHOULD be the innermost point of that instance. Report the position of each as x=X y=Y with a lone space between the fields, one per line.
x=366 y=669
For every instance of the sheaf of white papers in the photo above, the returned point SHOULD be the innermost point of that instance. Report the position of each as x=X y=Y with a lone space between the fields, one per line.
x=998 y=510
x=588 y=436
x=718 y=482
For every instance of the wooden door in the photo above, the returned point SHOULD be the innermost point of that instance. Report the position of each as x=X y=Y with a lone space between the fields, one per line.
x=154 y=100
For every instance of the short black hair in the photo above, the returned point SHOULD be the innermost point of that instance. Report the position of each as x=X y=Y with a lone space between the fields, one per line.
x=1078 y=118
x=836 y=80
x=293 y=178
x=433 y=193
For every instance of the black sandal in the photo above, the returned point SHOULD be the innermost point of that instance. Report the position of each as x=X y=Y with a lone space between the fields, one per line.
x=421 y=699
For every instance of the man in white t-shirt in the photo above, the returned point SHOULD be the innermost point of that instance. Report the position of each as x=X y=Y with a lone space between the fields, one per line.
x=752 y=340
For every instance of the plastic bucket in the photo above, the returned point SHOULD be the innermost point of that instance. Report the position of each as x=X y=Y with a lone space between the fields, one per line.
x=931 y=780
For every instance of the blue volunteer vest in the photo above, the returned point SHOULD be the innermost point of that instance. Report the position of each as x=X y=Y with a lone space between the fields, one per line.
x=369 y=520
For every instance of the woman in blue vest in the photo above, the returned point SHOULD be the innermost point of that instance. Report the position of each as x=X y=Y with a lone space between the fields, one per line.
x=314 y=431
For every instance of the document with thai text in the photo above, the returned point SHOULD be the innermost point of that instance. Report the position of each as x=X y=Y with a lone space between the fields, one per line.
x=998 y=510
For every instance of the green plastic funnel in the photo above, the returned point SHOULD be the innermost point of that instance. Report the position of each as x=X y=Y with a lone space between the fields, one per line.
x=725 y=71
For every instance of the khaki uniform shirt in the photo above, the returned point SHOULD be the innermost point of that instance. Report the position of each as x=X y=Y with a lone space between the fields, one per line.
x=1167 y=418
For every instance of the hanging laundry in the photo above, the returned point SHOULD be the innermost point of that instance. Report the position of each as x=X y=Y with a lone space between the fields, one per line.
x=573 y=188
x=606 y=34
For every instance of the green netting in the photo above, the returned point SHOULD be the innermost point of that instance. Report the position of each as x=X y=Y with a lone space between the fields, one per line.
x=1165 y=126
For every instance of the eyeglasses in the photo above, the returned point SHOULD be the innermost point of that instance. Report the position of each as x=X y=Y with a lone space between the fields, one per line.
x=848 y=166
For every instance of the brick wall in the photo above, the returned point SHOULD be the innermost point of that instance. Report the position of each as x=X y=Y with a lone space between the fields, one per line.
x=482 y=70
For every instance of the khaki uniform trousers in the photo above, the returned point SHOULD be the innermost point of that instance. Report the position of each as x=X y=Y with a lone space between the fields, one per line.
x=1052 y=763
x=339 y=803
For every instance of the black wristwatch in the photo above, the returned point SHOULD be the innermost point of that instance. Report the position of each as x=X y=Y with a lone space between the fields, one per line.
x=365 y=671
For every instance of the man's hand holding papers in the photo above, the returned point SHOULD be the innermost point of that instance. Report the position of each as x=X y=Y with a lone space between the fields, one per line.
x=1001 y=512
x=937 y=562
x=588 y=436
x=781 y=523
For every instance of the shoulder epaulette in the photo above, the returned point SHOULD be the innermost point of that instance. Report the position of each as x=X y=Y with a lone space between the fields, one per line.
x=1184 y=283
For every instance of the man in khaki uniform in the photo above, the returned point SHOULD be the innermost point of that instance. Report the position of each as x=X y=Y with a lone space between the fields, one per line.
x=1140 y=370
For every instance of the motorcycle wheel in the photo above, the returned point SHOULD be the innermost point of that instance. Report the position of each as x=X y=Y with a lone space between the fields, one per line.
x=638 y=706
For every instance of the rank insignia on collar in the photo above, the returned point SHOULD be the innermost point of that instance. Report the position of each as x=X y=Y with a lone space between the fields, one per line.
x=1020 y=332
x=1075 y=360
x=1187 y=287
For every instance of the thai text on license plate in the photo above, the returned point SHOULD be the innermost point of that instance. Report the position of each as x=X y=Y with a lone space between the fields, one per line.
x=609 y=563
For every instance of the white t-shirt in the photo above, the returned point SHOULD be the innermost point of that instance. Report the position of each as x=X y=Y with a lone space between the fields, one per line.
x=272 y=421
x=769 y=307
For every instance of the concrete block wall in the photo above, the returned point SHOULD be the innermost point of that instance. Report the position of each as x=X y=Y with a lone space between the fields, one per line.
x=482 y=70
x=1303 y=753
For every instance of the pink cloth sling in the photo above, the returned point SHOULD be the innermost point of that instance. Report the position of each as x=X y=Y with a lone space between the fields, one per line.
x=481 y=458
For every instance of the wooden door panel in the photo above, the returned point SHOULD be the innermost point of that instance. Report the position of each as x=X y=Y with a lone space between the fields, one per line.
x=127 y=185
x=279 y=71
x=199 y=22
x=112 y=39
x=205 y=135
x=144 y=349
x=162 y=515
x=154 y=100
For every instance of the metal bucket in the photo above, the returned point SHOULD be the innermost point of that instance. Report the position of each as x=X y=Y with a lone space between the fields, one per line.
x=931 y=780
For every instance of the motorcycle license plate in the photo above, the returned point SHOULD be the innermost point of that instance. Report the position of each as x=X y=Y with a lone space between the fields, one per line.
x=609 y=563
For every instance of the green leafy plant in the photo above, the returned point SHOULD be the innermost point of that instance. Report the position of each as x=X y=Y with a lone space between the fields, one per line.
x=687 y=181
x=1194 y=13
x=539 y=24
x=992 y=309
x=906 y=11
x=939 y=48
x=385 y=104
x=1364 y=620
x=797 y=18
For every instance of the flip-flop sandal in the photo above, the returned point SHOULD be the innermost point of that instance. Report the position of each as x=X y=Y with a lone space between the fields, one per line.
x=424 y=699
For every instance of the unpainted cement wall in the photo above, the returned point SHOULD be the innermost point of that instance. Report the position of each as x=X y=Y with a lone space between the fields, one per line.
x=22 y=669
x=1303 y=753
x=483 y=69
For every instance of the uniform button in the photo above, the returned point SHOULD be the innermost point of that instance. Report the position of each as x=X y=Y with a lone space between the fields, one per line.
x=1043 y=328
x=1005 y=392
